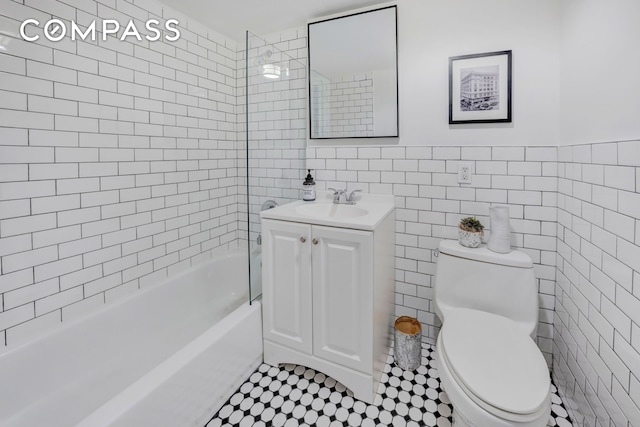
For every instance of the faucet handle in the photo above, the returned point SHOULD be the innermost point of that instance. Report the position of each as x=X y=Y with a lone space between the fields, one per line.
x=351 y=197
x=337 y=194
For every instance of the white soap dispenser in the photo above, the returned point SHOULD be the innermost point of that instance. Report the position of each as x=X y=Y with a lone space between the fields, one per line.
x=309 y=188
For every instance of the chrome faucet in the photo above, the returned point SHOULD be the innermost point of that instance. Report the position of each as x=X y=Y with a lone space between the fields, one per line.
x=337 y=194
x=349 y=198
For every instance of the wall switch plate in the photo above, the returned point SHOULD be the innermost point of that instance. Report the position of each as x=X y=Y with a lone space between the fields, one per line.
x=464 y=173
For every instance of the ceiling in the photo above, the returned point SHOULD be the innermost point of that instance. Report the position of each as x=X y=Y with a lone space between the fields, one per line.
x=233 y=17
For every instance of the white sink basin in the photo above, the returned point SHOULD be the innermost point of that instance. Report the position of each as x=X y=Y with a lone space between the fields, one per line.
x=368 y=212
x=331 y=210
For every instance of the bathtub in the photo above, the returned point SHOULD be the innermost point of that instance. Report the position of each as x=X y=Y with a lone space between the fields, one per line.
x=169 y=356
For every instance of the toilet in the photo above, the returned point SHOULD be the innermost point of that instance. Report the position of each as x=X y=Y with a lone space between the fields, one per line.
x=487 y=359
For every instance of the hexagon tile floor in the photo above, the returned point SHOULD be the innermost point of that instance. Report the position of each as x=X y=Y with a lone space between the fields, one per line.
x=297 y=396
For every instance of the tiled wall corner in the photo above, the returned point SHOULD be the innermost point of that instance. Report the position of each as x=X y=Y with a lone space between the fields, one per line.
x=597 y=337
x=118 y=160
x=277 y=124
x=343 y=105
x=430 y=203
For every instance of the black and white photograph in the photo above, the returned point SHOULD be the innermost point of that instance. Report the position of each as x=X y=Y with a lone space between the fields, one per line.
x=480 y=88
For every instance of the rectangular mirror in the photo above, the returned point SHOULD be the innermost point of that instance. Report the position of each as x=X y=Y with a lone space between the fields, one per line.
x=353 y=76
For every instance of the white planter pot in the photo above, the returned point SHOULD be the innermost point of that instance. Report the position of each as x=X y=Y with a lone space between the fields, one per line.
x=470 y=239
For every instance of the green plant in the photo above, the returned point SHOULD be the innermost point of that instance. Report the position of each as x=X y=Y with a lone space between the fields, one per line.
x=471 y=224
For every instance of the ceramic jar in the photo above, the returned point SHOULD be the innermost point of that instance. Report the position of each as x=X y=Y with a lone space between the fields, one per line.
x=470 y=239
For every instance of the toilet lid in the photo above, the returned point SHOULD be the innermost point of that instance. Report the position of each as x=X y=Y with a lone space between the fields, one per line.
x=495 y=361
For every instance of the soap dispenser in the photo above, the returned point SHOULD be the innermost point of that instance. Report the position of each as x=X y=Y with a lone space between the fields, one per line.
x=309 y=188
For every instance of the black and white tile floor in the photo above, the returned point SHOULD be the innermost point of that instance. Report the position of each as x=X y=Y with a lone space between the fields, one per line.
x=297 y=396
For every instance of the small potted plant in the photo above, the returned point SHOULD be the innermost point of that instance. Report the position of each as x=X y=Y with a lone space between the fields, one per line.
x=470 y=232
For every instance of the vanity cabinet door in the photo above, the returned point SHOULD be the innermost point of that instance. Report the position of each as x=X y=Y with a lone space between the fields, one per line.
x=286 y=279
x=343 y=296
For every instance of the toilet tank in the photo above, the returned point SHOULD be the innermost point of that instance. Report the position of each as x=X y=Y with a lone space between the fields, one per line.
x=480 y=279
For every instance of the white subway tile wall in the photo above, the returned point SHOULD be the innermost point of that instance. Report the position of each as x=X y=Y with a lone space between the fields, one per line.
x=430 y=203
x=343 y=105
x=277 y=124
x=118 y=160
x=596 y=333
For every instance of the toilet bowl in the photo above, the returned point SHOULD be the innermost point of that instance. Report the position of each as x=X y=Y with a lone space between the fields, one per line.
x=488 y=362
x=492 y=371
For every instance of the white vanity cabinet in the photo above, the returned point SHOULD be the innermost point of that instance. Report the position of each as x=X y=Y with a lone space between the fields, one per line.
x=328 y=299
x=286 y=261
x=342 y=265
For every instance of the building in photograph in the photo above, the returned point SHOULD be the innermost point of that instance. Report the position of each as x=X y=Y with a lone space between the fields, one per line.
x=479 y=90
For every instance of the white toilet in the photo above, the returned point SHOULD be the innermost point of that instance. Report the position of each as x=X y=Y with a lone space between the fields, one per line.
x=489 y=364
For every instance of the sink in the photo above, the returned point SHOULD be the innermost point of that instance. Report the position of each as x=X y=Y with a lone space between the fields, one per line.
x=331 y=210
x=367 y=214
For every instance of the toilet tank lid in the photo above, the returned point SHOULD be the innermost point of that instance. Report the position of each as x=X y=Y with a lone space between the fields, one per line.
x=482 y=254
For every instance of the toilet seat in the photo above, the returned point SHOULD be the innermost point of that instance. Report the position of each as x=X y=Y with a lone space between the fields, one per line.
x=497 y=365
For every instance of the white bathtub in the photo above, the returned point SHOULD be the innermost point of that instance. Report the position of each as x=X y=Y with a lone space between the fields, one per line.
x=168 y=356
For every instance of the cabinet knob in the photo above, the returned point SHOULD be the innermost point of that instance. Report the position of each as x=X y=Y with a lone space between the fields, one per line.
x=314 y=241
x=303 y=239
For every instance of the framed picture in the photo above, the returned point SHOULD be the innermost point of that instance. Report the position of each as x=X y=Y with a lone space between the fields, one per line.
x=480 y=88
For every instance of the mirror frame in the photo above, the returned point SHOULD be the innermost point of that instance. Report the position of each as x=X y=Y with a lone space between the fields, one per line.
x=397 y=133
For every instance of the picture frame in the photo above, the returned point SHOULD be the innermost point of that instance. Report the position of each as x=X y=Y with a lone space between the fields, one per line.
x=480 y=88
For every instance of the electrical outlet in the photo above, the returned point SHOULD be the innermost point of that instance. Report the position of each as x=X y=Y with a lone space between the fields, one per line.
x=464 y=173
